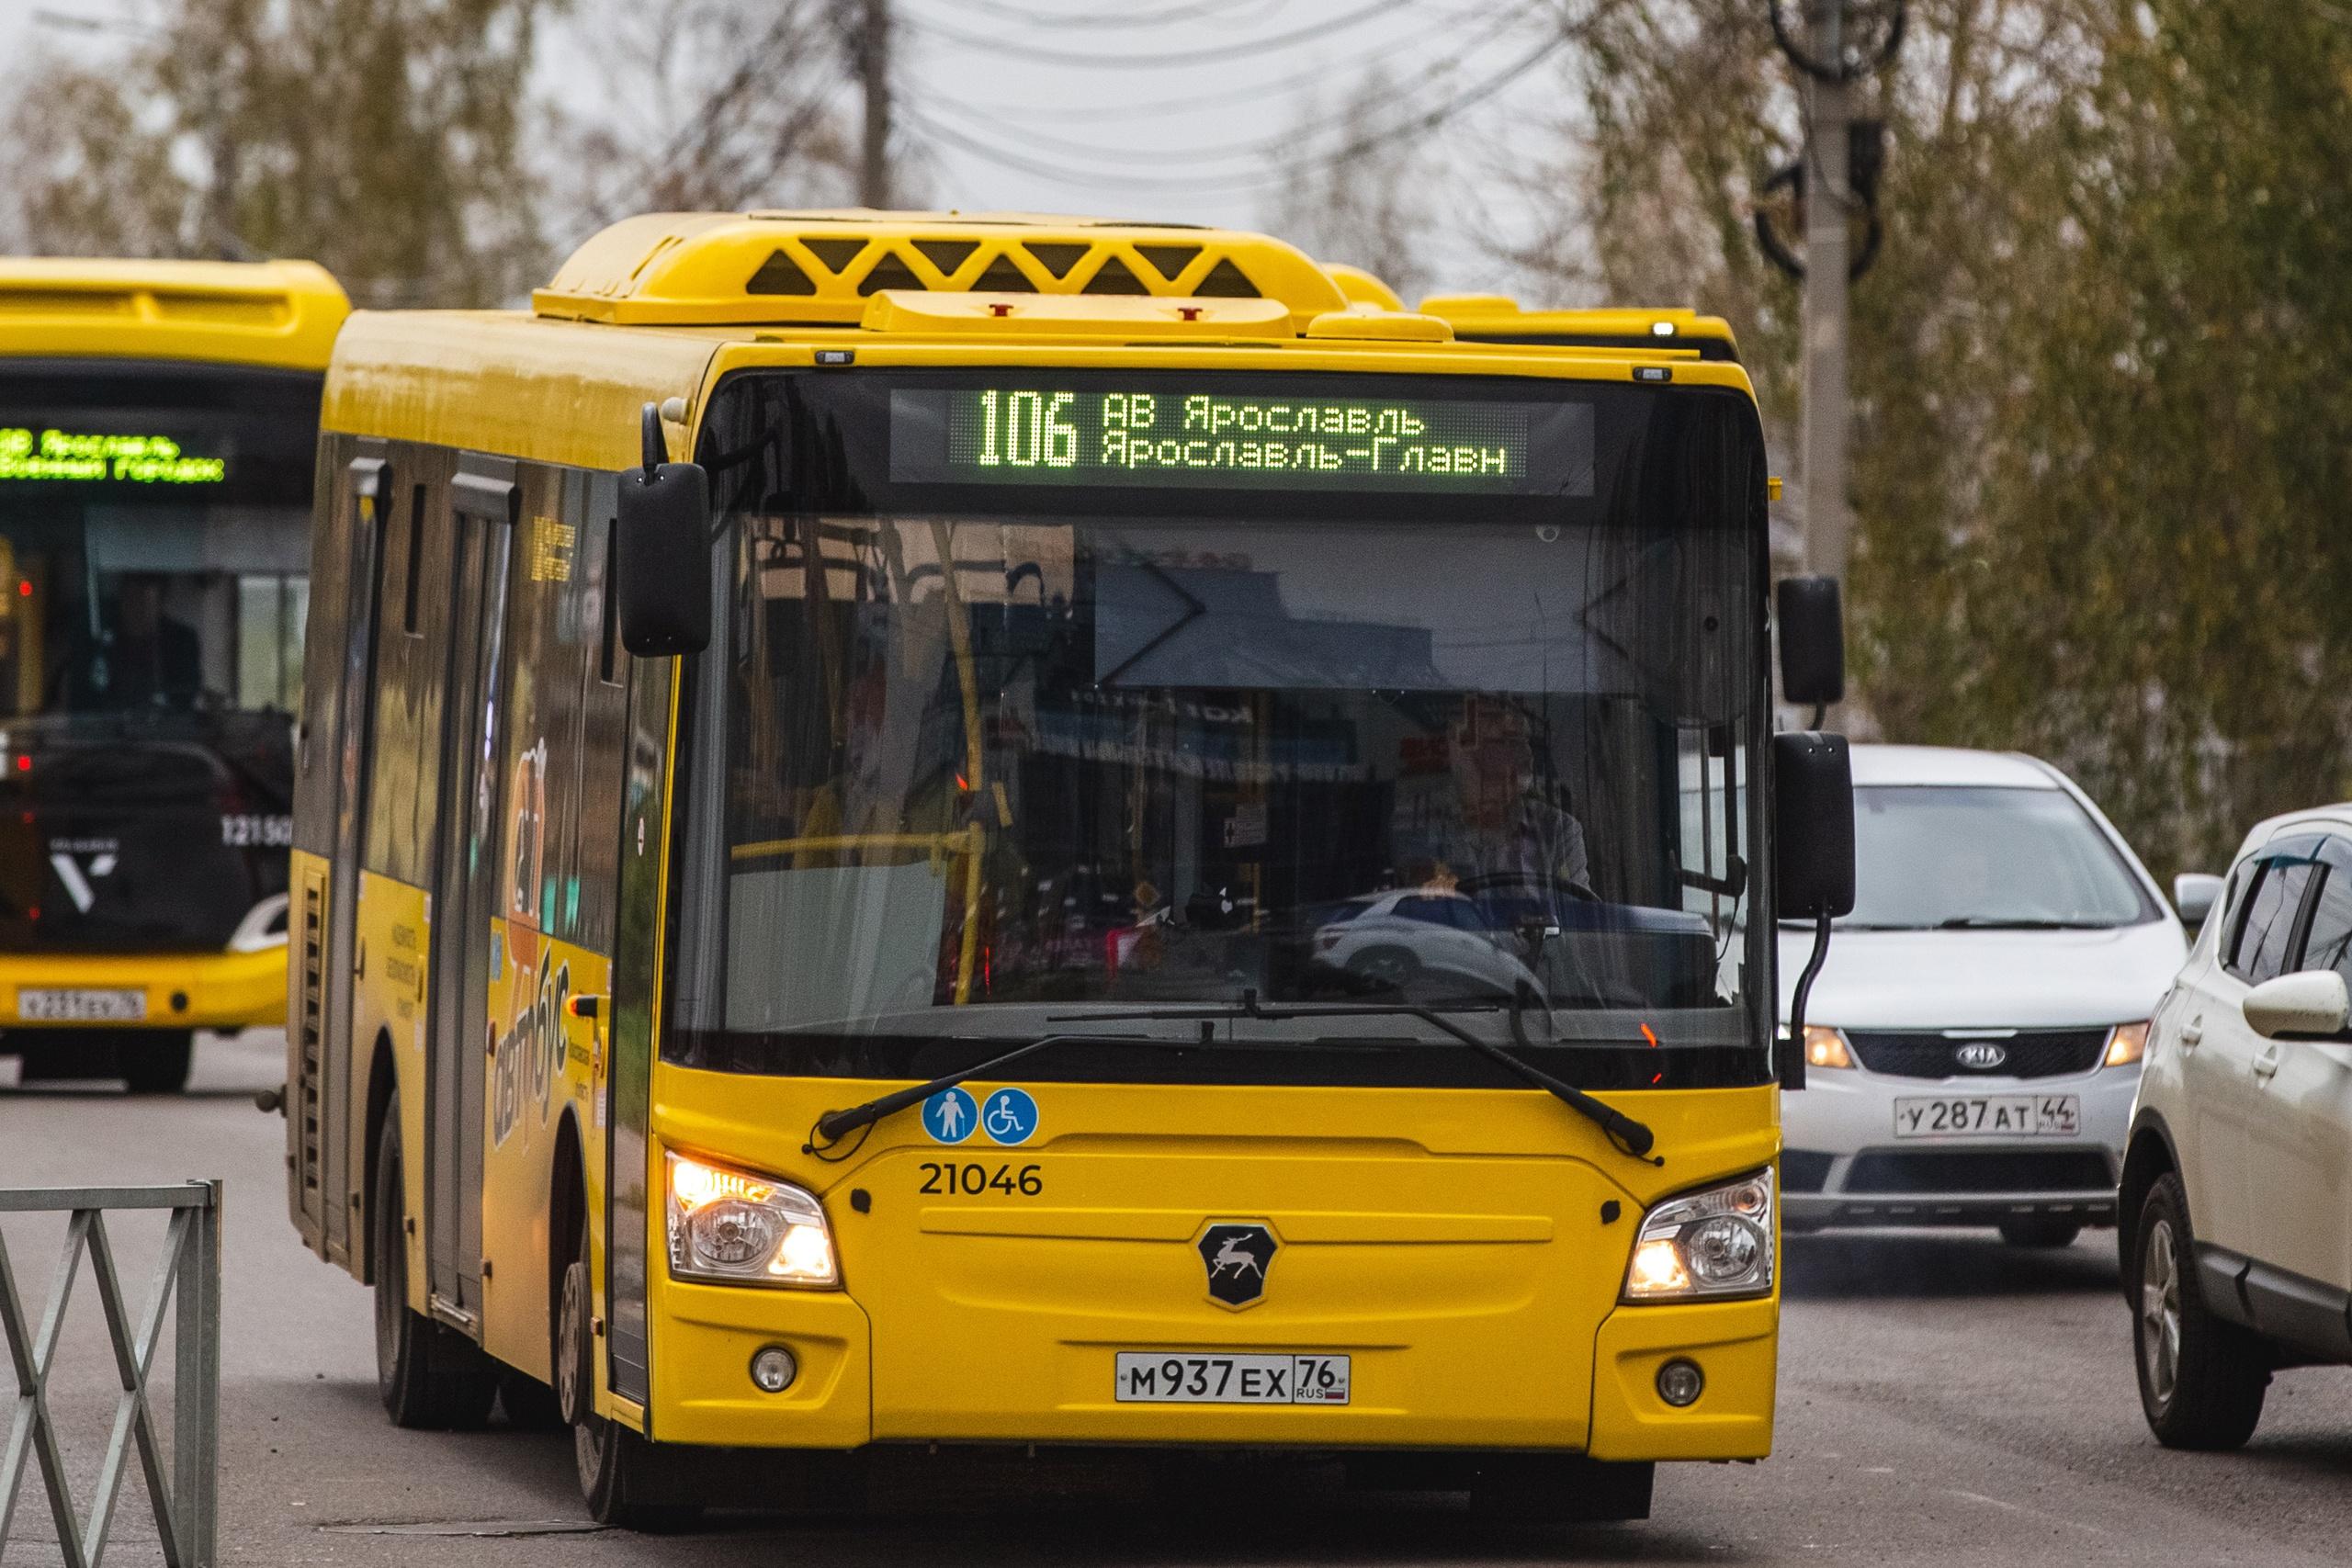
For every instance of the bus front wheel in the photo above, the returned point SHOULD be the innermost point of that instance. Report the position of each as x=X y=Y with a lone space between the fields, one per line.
x=620 y=1474
x=429 y=1376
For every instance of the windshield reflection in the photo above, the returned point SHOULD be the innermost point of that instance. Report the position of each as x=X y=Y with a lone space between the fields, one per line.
x=963 y=772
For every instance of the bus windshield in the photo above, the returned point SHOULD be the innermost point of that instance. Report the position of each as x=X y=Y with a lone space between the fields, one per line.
x=154 y=540
x=993 y=760
x=153 y=559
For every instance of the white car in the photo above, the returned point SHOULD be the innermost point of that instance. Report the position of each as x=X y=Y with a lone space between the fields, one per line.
x=2236 y=1236
x=1418 y=942
x=1973 y=1042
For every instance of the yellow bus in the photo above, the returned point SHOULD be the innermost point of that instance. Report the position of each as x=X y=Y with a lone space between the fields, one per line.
x=158 y=422
x=945 y=829
x=1498 y=318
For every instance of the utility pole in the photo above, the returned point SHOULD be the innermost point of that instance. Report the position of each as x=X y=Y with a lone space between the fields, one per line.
x=1830 y=200
x=874 y=76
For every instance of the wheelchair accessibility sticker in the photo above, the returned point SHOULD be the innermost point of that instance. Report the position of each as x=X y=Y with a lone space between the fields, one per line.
x=949 y=1116
x=1010 y=1117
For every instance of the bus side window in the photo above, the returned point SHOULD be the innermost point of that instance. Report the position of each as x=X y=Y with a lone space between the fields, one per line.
x=603 y=732
x=415 y=558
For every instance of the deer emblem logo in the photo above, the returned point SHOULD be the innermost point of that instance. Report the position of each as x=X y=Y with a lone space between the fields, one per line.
x=1237 y=1257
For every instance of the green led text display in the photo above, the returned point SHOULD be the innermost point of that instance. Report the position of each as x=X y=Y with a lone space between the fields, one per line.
x=82 y=457
x=1161 y=438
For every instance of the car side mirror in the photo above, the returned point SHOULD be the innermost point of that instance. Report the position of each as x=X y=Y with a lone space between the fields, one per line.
x=2313 y=1005
x=1811 y=620
x=2194 y=894
x=662 y=575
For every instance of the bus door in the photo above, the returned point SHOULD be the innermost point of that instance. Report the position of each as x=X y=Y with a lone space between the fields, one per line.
x=464 y=886
x=371 y=483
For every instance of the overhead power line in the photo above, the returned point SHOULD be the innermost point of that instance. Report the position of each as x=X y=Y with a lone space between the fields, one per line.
x=1256 y=148
x=1160 y=18
x=1100 y=179
x=1157 y=59
x=1285 y=86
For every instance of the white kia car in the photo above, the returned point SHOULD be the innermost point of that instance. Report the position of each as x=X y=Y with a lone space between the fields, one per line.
x=1974 y=1043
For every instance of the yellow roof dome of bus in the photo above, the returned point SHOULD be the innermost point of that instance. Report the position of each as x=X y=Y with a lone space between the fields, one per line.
x=821 y=269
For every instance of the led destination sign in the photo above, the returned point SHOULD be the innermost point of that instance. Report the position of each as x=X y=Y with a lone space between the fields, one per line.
x=71 y=457
x=1163 y=438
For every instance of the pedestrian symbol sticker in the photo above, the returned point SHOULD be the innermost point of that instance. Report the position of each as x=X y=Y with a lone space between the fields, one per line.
x=1010 y=1116
x=949 y=1116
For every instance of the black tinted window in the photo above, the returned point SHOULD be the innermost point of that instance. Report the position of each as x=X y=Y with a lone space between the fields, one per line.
x=2329 y=945
x=2260 y=951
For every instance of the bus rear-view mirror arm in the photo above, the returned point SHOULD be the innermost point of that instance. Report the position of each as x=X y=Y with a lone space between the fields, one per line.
x=662 y=573
x=1813 y=865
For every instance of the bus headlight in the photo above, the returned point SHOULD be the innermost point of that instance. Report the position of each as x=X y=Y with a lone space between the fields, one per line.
x=738 y=1229
x=1713 y=1242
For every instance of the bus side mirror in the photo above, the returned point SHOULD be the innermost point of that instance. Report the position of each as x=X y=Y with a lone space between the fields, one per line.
x=1812 y=861
x=662 y=578
x=1813 y=822
x=1812 y=617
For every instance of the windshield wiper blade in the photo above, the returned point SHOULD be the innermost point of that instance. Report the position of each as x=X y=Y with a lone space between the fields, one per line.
x=835 y=1125
x=2002 y=923
x=1627 y=1135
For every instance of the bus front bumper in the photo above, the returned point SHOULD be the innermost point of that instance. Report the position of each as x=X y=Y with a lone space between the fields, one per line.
x=180 y=990
x=703 y=1392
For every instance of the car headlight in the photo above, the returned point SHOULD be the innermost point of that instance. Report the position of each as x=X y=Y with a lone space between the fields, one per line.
x=1825 y=1047
x=738 y=1229
x=2126 y=1044
x=1713 y=1242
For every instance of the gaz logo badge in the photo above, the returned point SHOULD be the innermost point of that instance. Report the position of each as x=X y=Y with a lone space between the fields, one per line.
x=1238 y=1258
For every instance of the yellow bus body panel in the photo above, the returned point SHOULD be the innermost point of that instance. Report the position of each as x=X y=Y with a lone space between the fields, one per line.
x=220 y=990
x=546 y=1064
x=1453 y=1242
x=278 y=314
x=388 y=1007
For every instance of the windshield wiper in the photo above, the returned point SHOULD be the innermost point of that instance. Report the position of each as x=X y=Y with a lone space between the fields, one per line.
x=2027 y=923
x=1627 y=1135
x=835 y=1125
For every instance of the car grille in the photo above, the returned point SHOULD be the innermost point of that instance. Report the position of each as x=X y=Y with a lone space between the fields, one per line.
x=1979 y=1170
x=2027 y=1054
x=1804 y=1170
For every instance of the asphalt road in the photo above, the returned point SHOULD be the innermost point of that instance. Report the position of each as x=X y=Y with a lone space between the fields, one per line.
x=1943 y=1401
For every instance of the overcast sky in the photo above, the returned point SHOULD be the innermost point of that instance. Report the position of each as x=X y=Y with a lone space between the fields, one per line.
x=1179 y=110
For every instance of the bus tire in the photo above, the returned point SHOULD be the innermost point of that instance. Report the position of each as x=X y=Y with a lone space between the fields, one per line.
x=429 y=1375
x=155 y=1061
x=622 y=1478
x=1556 y=1489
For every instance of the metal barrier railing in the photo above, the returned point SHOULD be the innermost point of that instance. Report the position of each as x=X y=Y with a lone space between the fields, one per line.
x=188 y=1276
